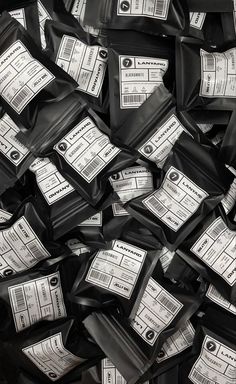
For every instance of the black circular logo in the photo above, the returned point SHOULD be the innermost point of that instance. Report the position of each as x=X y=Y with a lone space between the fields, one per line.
x=15 y=155
x=103 y=54
x=148 y=149
x=150 y=335
x=115 y=177
x=8 y=272
x=125 y=6
x=52 y=375
x=161 y=354
x=62 y=147
x=211 y=346
x=174 y=176
x=54 y=281
x=127 y=62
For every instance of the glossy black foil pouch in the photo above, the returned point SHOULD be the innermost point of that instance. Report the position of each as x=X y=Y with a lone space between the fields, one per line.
x=205 y=76
x=137 y=65
x=192 y=184
x=153 y=17
x=27 y=77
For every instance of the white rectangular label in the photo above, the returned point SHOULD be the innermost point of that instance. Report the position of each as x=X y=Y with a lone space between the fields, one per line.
x=93 y=221
x=86 y=149
x=50 y=182
x=117 y=269
x=215 y=365
x=21 y=77
x=157 y=310
x=4 y=216
x=110 y=374
x=218 y=74
x=36 y=300
x=43 y=16
x=166 y=257
x=176 y=200
x=177 y=343
x=20 y=248
x=159 y=145
x=155 y=9
x=216 y=247
x=128 y=184
x=86 y=64
x=77 y=247
x=19 y=15
x=78 y=11
x=214 y=295
x=229 y=200
x=139 y=77
x=197 y=19
x=51 y=357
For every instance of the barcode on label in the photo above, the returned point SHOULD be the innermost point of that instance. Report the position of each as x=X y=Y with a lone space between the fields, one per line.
x=188 y=335
x=217 y=230
x=210 y=62
x=200 y=379
x=67 y=50
x=20 y=98
x=18 y=295
x=157 y=206
x=35 y=251
x=133 y=99
x=93 y=166
x=160 y=8
x=99 y=276
x=172 y=307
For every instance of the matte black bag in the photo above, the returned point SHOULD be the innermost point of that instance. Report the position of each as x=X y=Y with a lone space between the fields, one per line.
x=50 y=352
x=229 y=25
x=210 y=5
x=207 y=27
x=228 y=150
x=193 y=183
x=38 y=295
x=117 y=274
x=154 y=127
x=36 y=78
x=83 y=58
x=214 y=297
x=26 y=12
x=15 y=158
x=211 y=250
x=153 y=17
x=202 y=80
x=133 y=347
x=137 y=65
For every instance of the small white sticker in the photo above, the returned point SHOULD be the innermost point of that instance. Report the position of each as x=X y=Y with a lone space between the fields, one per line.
x=9 y=145
x=176 y=200
x=197 y=20
x=4 y=216
x=78 y=11
x=166 y=257
x=36 y=300
x=155 y=9
x=19 y=15
x=128 y=184
x=51 y=357
x=21 y=77
x=86 y=149
x=229 y=200
x=159 y=145
x=157 y=310
x=93 y=221
x=139 y=77
x=216 y=247
x=218 y=74
x=50 y=182
x=214 y=295
x=177 y=343
x=117 y=269
x=215 y=365
x=77 y=247
x=43 y=16
x=20 y=248
x=86 y=64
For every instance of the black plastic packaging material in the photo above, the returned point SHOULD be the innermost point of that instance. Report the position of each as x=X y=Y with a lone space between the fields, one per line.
x=211 y=250
x=165 y=17
x=83 y=58
x=36 y=78
x=214 y=297
x=229 y=25
x=153 y=129
x=228 y=150
x=26 y=13
x=138 y=64
x=56 y=196
x=117 y=274
x=210 y=5
x=64 y=350
x=15 y=157
x=200 y=80
x=164 y=308
x=193 y=184
x=207 y=27
x=40 y=294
